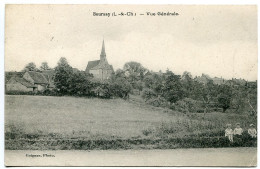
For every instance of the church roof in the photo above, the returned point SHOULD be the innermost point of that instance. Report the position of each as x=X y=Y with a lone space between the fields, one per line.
x=92 y=64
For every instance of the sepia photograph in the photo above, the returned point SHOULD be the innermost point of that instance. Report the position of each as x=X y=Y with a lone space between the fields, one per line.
x=130 y=85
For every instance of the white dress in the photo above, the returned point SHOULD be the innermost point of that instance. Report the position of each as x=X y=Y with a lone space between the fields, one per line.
x=229 y=134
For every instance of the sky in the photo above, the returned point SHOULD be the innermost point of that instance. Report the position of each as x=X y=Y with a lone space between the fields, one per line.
x=220 y=41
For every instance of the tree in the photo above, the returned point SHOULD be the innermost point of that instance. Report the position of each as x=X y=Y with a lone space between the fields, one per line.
x=139 y=86
x=172 y=89
x=206 y=93
x=239 y=99
x=224 y=97
x=30 y=67
x=148 y=81
x=148 y=94
x=134 y=70
x=80 y=84
x=120 y=87
x=44 y=66
x=62 y=76
x=119 y=73
x=252 y=99
x=244 y=99
x=155 y=82
x=187 y=83
x=224 y=101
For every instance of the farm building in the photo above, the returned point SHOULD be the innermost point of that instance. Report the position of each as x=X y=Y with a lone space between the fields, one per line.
x=49 y=77
x=29 y=81
x=100 y=68
x=9 y=75
x=37 y=79
x=16 y=83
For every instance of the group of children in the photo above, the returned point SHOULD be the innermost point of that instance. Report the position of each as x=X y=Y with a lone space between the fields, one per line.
x=237 y=132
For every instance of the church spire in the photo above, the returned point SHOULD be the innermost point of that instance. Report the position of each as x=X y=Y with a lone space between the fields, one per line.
x=103 y=52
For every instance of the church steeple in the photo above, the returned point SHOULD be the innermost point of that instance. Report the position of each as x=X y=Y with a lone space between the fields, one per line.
x=103 y=52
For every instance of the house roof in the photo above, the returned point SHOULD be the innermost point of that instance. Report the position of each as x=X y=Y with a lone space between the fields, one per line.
x=92 y=64
x=22 y=81
x=9 y=75
x=49 y=76
x=38 y=77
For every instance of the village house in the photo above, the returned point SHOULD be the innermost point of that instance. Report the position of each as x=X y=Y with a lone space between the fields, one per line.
x=29 y=81
x=16 y=83
x=36 y=78
x=49 y=74
x=100 y=68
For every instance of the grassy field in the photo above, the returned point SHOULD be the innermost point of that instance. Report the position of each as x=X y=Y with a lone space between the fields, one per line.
x=81 y=117
x=104 y=121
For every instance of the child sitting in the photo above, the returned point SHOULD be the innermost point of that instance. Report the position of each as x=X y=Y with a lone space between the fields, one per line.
x=229 y=133
x=252 y=131
x=238 y=130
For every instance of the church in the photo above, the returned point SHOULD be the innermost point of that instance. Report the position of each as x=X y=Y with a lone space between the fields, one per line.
x=100 y=68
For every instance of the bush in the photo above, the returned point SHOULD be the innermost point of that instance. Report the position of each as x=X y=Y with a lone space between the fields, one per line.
x=49 y=92
x=102 y=90
x=148 y=94
x=120 y=87
x=186 y=105
x=157 y=102
x=20 y=93
x=46 y=92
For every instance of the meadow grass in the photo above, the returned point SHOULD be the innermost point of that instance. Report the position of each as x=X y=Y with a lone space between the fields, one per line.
x=45 y=122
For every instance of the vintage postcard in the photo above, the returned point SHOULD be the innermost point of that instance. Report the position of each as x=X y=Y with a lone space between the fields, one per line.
x=130 y=85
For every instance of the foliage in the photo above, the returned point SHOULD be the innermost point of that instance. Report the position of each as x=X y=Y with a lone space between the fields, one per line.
x=62 y=76
x=139 y=85
x=187 y=105
x=30 y=67
x=157 y=88
x=135 y=71
x=120 y=87
x=101 y=89
x=172 y=89
x=80 y=84
x=157 y=102
x=46 y=92
x=187 y=83
x=44 y=66
x=224 y=97
x=148 y=94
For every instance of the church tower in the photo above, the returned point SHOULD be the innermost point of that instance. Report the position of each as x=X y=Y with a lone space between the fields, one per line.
x=100 y=69
x=103 y=52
